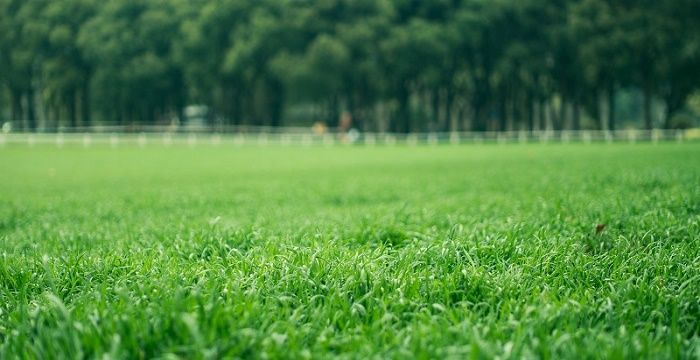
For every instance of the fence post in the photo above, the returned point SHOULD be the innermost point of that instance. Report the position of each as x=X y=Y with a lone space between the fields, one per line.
x=370 y=139
x=114 y=140
x=142 y=140
x=565 y=137
x=679 y=136
x=192 y=140
x=500 y=139
x=454 y=138
x=608 y=137
x=655 y=136
x=522 y=137
x=587 y=137
x=307 y=140
x=59 y=140
x=412 y=140
x=87 y=140
x=433 y=139
x=216 y=140
x=262 y=139
x=285 y=139
x=167 y=139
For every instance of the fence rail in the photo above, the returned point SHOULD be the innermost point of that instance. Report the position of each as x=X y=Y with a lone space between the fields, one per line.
x=308 y=138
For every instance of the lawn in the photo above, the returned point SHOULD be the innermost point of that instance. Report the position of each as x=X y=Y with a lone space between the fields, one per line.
x=471 y=251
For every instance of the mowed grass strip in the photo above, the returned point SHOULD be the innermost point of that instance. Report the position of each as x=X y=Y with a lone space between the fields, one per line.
x=354 y=252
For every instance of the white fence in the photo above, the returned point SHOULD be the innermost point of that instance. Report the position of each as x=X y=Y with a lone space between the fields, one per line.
x=308 y=138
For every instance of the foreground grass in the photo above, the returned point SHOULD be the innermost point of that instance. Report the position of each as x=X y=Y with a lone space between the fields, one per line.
x=442 y=252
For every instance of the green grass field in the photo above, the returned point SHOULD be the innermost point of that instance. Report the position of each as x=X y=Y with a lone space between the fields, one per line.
x=458 y=252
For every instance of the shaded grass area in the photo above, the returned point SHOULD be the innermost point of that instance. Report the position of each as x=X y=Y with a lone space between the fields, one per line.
x=388 y=252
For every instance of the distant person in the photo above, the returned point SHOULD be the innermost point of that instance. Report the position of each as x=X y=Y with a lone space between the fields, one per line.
x=345 y=122
x=319 y=128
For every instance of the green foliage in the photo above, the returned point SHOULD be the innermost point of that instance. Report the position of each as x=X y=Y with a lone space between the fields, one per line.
x=387 y=252
x=438 y=65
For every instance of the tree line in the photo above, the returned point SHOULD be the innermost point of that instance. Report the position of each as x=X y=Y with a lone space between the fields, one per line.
x=392 y=65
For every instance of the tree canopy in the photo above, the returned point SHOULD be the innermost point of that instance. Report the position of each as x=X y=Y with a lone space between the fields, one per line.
x=393 y=65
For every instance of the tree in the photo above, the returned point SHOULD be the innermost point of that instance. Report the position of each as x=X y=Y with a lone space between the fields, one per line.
x=136 y=81
x=20 y=55
x=434 y=65
x=678 y=61
x=66 y=71
x=596 y=24
x=418 y=40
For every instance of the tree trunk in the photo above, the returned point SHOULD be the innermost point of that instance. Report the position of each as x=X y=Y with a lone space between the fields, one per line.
x=611 y=107
x=673 y=105
x=502 y=112
x=51 y=115
x=511 y=113
x=72 y=110
x=332 y=113
x=450 y=122
x=232 y=104
x=462 y=119
x=552 y=115
x=542 y=115
x=85 y=106
x=17 y=111
x=647 y=108
x=402 y=121
x=598 y=111
x=530 y=113
x=435 y=104
x=276 y=109
x=31 y=110
x=560 y=122
x=120 y=113
x=576 y=123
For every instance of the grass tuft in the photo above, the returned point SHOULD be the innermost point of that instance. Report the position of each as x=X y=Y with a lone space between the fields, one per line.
x=385 y=252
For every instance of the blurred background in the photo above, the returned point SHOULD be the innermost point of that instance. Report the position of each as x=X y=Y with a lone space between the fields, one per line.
x=396 y=66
